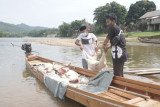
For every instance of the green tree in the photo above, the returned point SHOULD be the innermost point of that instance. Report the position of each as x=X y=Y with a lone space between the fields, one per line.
x=71 y=30
x=101 y=12
x=75 y=25
x=2 y=34
x=138 y=9
x=65 y=30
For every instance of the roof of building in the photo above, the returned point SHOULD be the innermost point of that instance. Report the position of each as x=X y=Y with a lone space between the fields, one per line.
x=150 y=14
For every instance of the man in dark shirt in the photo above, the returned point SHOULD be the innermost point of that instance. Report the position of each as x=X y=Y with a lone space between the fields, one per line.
x=119 y=52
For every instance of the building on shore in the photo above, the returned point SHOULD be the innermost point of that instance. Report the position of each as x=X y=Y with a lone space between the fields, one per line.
x=152 y=19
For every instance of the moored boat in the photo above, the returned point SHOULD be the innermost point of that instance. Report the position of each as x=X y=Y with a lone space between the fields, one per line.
x=151 y=39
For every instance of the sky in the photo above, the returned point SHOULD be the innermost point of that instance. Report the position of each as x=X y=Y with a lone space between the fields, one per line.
x=52 y=13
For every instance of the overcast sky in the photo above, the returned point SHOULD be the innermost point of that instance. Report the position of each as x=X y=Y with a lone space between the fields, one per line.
x=52 y=13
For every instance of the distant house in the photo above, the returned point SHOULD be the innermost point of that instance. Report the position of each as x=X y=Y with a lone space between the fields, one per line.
x=152 y=19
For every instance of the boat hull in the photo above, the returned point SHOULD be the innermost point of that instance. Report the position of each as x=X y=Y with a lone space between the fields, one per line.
x=107 y=98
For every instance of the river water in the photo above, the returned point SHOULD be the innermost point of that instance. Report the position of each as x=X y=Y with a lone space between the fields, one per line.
x=20 y=88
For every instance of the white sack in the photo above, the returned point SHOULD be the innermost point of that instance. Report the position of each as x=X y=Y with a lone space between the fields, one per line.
x=95 y=65
x=72 y=75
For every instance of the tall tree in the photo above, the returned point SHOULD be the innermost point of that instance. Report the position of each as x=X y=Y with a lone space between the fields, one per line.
x=75 y=25
x=65 y=30
x=101 y=12
x=138 y=9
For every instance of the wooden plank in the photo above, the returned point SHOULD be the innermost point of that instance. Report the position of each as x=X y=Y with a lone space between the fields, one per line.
x=35 y=62
x=120 y=93
x=99 y=97
x=87 y=101
x=144 y=84
x=103 y=95
x=148 y=103
x=135 y=100
x=114 y=96
x=44 y=59
x=138 y=87
x=130 y=92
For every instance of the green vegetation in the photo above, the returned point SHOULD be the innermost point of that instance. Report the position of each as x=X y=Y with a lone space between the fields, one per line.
x=65 y=30
x=23 y=30
x=42 y=33
x=128 y=20
x=142 y=34
x=2 y=34
x=6 y=27
x=72 y=29
x=101 y=12
x=138 y=9
x=136 y=34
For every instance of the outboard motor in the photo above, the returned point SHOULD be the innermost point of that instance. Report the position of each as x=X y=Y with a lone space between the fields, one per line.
x=27 y=48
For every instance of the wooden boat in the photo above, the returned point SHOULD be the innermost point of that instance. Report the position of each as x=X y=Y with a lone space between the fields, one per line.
x=123 y=92
x=152 y=39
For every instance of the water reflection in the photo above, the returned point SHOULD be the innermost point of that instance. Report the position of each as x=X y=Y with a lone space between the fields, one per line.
x=143 y=57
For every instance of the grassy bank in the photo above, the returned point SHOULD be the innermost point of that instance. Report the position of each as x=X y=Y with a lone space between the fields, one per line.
x=136 y=34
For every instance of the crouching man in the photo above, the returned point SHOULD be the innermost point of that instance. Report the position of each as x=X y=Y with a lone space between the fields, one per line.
x=87 y=41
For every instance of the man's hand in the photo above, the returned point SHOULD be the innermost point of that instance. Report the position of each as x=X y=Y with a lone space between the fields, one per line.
x=106 y=47
x=77 y=42
x=81 y=48
x=96 y=49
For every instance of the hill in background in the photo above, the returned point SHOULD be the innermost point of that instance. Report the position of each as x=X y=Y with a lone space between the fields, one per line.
x=7 y=27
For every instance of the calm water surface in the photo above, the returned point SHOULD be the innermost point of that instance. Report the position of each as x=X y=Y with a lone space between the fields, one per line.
x=19 y=88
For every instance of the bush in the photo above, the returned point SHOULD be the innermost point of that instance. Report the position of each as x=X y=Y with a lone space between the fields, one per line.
x=132 y=27
x=142 y=26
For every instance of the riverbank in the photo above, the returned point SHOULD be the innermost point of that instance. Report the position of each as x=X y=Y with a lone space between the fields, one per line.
x=54 y=41
x=68 y=42
x=137 y=34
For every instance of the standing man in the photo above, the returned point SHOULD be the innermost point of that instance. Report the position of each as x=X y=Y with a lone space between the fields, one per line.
x=87 y=41
x=119 y=52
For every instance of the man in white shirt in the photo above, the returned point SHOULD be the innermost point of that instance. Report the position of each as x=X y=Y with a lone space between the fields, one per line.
x=87 y=41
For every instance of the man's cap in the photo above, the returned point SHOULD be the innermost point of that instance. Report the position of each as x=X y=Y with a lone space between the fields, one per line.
x=82 y=28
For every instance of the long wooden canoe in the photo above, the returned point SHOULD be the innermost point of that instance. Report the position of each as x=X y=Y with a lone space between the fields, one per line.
x=123 y=92
x=151 y=39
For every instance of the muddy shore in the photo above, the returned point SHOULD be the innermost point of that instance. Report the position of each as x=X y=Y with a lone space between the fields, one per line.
x=68 y=42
